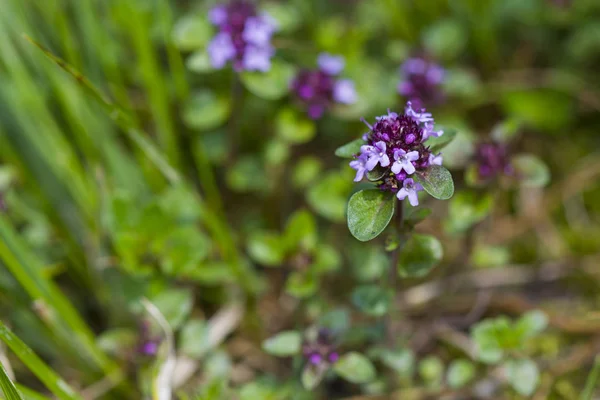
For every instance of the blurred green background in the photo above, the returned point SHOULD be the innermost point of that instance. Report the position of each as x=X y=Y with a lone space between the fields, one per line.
x=144 y=173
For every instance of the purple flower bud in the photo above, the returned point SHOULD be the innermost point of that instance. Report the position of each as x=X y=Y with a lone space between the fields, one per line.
x=492 y=159
x=421 y=81
x=315 y=359
x=333 y=357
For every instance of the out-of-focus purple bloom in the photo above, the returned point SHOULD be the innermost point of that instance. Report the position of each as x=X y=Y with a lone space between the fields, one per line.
x=318 y=89
x=320 y=351
x=421 y=81
x=148 y=343
x=258 y=58
x=149 y=348
x=344 y=92
x=398 y=137
x=492 y=159
x=244 y=37
x=410 y=189
x=330 y=64
x=218 y=15
x=404 y=161
x=221 y=50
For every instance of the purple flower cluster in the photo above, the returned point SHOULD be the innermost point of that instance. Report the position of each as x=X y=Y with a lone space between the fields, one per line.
x=395 y=145
x=421 y=80
x=318 y=89
x=492 y=159
x=322 y=350
x=244 y=37
x=148 y=343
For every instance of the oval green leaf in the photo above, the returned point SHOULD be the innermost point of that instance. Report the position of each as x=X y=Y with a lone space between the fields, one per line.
x=266 y=248
x=420 y=254
x=283 y=344
x=271 y=85
x=438 y=143
x=206 y=110
x=437 y=181
x=530 y=170
x=349 y=149
x=369 y=213
x=355 y=368
x=372 y=300
x=523 y=376
x=460 y=373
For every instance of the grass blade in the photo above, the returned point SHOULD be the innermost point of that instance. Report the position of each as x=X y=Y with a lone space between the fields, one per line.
x=590 y=384
x=53 y=382
x=8 y=388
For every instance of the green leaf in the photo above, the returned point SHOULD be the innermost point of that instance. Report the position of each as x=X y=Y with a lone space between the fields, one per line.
x=349 y=150
x=376 y=174
x=312 y=376
x=271 y=85
x=431 y=370
x=488 y=335
x=286 y=15
x=355 y=367
x=372 y=299
x=460 y=373
x=283 y=344
x=199 y=62
x=523 y=376
x=531 y=324
x=301 y=231
x=192 y=32
x=438 y=143
x=301 y=285
x=247 y=175
x=437 y=181
x=445 y=39
x=326 y=259
x=545 y=109
x=466 y=209
x=329 y=196
x=8 y=388
x=419 y=255
x=206 y=110
x=402 y=361
x=175 y=305
x=51 y=380
x=294 y=127
x=307 y=169
x=266 y=248
x=530 y=170
x=117 y=342
x=193 y=339
x=369 y=213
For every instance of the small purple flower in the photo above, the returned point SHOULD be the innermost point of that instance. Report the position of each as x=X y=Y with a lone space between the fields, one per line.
x=243 y=38
x=410 y=189
x=149 y=348
x=435 y=159
x=421 y=81
x=218 y=15
x=399 y=137
x=330 y=64
x=221 y=50
x=344 y=92
x=317 y=90
x=404 y=161
x=258 y=31
x=257 y=58
x=360 y=166
x=376 y=154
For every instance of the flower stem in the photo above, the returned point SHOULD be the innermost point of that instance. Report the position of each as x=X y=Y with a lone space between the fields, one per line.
x=393 y=273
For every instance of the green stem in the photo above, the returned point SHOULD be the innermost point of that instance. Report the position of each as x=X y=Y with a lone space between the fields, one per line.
x=393 y=272
x=592 y=379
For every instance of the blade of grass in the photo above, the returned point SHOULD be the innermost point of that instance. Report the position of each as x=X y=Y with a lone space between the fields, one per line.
x=592 y=380
x=53 y=382
x=29 y=394
x=8 y=387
